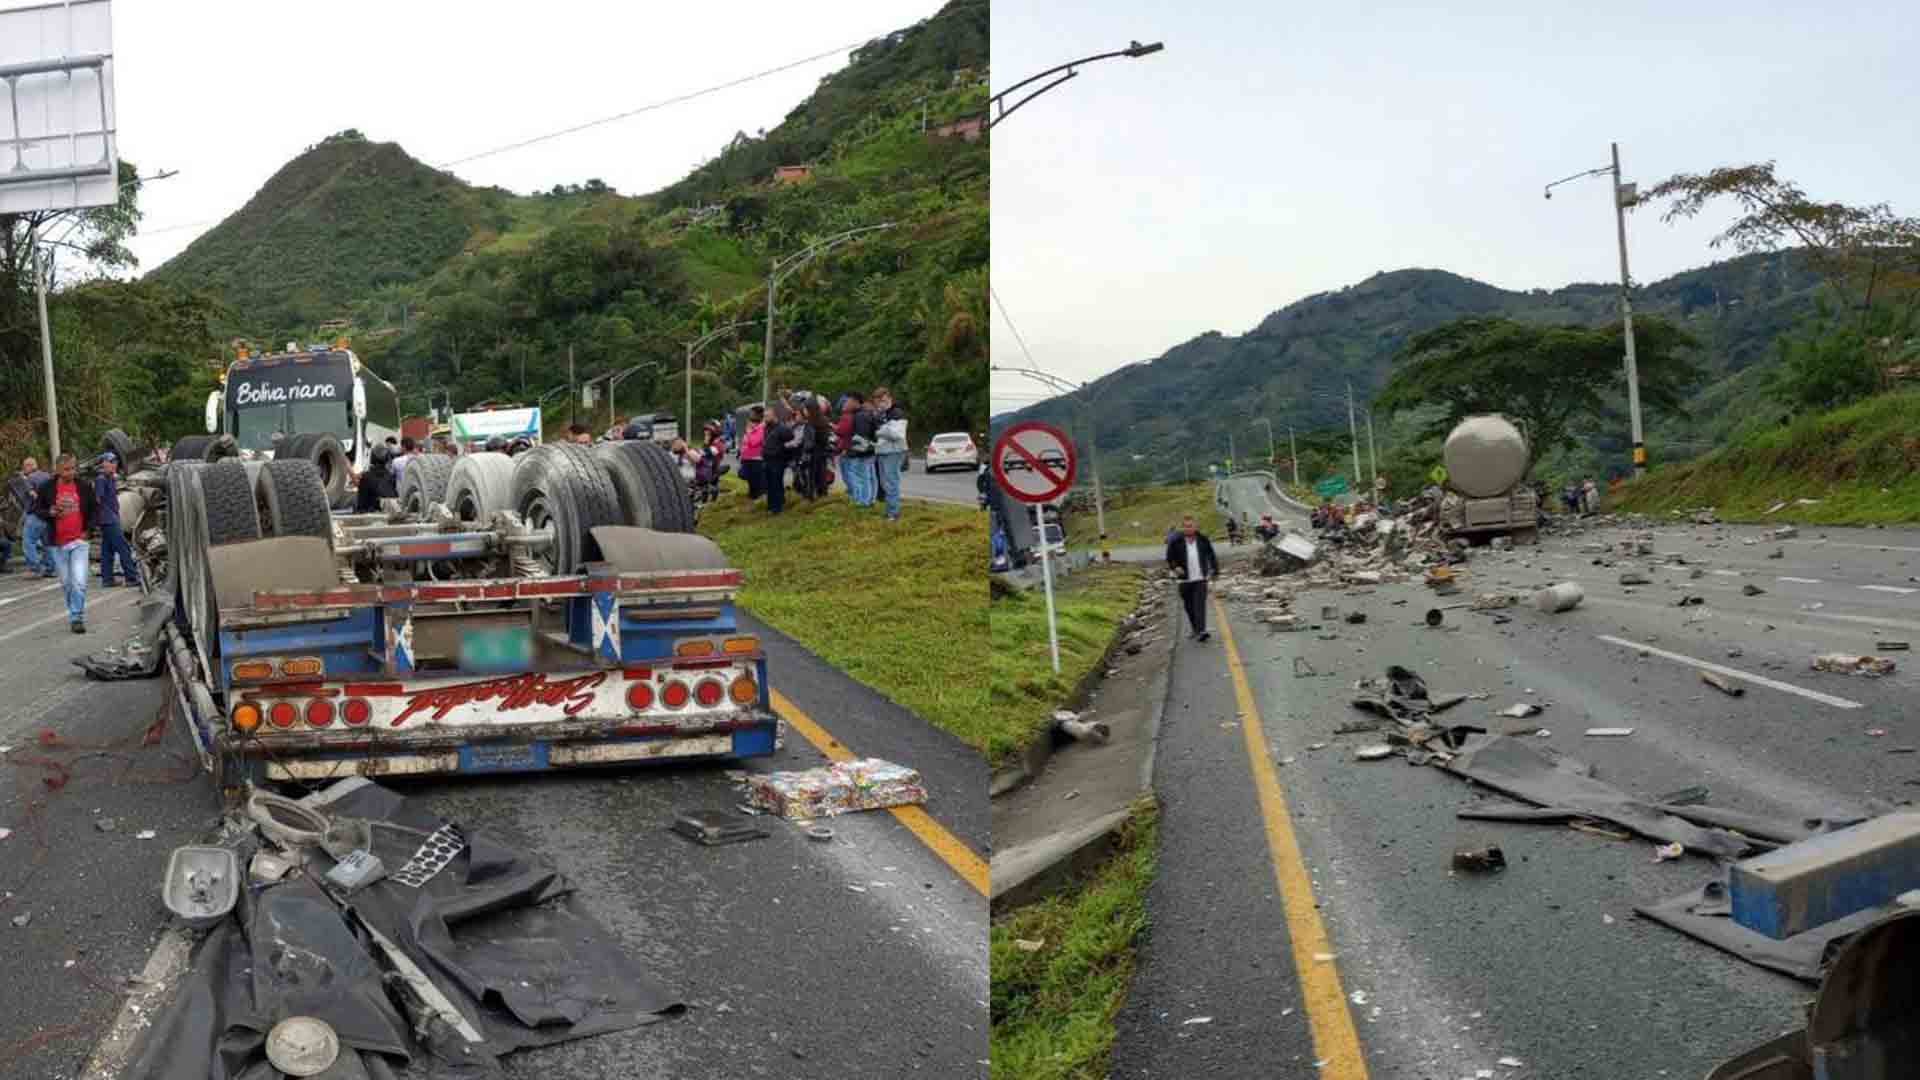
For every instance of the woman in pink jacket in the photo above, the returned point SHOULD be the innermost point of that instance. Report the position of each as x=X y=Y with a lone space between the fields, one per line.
x=750 y=446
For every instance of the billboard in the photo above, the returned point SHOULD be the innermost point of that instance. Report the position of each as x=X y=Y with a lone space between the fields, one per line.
x=57 y=145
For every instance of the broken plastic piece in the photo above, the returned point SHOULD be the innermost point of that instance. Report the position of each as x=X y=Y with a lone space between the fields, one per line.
x=1556 y=598
x=1486 y=860
x=201 y=885
x=1666 y=852
x=356 y=869
x=1373 y=752
x=1524 y=708
x=716 y=827
x=1722 y=684
x=1609 y=732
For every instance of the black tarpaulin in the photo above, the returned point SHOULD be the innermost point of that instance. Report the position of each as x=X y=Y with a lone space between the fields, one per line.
x=496 y=931
x=1705 y=914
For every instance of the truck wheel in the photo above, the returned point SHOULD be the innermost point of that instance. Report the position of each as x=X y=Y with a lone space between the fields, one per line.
x=425 y=483
x=191 y=448
x=292 y=500
x=123 y=448
x=327 y=455
x=651 y=492
x=187 y=558
x=232 y=513
x=561 y=486
x=478 y=485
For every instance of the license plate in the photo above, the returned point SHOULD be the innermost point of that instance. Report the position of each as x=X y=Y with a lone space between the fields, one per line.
x=503 y=757
x=496 y=648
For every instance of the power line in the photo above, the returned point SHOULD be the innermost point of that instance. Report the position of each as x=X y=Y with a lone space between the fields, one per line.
x=991 y=291
x=678 y=100
x=652 y=107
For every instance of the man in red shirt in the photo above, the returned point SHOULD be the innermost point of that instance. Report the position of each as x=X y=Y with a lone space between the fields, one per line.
x=67 y=506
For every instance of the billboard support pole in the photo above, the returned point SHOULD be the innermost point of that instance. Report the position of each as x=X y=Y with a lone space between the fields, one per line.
x=43 y=267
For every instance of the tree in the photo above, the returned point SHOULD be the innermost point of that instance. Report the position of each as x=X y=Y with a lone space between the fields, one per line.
x=1863 y=251
x=1546 y=377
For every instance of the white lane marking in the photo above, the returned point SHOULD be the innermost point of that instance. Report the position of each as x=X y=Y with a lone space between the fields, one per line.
x=1800 y=580
x=1862 y=547
x=49 y=587
x=1891 y=588
x=1735 y=673
x=1726 y=573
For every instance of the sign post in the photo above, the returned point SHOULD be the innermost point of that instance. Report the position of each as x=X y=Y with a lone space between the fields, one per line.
x=1034 y=463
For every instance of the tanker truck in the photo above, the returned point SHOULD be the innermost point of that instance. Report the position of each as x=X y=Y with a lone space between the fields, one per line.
x=1486 y=459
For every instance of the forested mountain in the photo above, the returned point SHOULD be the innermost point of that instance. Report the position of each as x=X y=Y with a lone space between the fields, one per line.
x=1293 y=368
x=483 y=292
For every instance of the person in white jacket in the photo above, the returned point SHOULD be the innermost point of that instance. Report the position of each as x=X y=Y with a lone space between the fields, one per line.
x=890 y=447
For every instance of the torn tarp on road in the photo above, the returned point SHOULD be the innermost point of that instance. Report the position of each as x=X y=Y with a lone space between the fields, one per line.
x=1706 y=914
x=497 y=956
x=137 y=657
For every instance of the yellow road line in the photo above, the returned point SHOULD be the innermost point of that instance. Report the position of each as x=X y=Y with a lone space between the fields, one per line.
x=951 y=849
x=1334 y=1040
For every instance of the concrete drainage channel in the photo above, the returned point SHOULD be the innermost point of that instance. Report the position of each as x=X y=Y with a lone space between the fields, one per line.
x=1058 y=810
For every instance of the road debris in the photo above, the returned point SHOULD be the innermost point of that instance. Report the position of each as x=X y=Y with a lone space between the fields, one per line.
x=1722 y=684
x=1487 y=860
x=714 y=827
x=843 y=786
x=1196 y=1020
x=1609 y=732
x=1028 y=944
x=1373 y=752
x=1891 y=646
x=1777 y=553
x=1849 y=664
x=1690 y=600
x=1750 y=589
x=1668 y=852
x=1785 y=532
x=1523 y=709
x=1634 y=577
x=1557 y=598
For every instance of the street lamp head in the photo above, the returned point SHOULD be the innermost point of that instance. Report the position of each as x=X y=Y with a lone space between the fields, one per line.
x=1547 y=193
x=1137 y=50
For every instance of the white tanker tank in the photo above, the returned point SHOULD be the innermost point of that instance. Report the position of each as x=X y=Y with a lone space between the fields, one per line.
x=1486 y=458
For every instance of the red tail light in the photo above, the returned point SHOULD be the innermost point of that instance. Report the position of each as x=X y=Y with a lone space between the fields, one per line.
x=282 y=714
x=319 y=712
x=674 y=696
x=639 y=697
x=709 y=692
x=356 y=712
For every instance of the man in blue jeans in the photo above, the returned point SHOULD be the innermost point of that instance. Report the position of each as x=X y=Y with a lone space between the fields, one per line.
x=113 y=540
x=857 y=461
x=66 y=504
x=33 y=530
x=890 y=446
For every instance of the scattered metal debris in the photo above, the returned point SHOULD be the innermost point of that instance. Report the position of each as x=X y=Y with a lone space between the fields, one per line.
x=1722 y=684
x=1487 y=860
x=1849 y=664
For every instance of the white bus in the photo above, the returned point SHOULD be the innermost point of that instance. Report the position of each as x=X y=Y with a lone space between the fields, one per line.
x=320 y=391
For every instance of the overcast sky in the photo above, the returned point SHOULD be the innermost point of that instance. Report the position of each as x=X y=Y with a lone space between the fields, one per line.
x=1276 y=151
x=226 y=91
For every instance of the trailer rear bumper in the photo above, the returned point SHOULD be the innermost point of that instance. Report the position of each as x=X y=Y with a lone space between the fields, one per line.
x=521 y=748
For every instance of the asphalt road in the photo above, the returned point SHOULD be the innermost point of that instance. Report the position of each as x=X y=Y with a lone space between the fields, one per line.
x=788 y=950
x=1545 y=964
x=949 y=485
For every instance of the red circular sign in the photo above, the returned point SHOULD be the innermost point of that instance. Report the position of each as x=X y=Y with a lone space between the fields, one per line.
x=1034 y=462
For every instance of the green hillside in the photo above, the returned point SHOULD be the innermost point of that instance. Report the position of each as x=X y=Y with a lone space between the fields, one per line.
x=1860 y=463
x=1293 y=368
x=484 y=292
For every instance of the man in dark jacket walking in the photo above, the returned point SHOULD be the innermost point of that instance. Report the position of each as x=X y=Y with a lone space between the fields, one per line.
x=113 y=540
x=66 y=504
x=1190 y=555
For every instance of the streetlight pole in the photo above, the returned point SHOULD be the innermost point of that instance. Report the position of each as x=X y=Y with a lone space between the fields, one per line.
x=42 y=270
x=1373 y=459
x=779 y=272
x=695 y=346
x=1134 y=50
x=1623 y=197
x=1271 y=452
x=1353 y=430
x=1294 y=453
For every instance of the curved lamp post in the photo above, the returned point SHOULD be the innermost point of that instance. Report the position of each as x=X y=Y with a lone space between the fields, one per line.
x=782 y=268
x=695 y=346
x=998 y=102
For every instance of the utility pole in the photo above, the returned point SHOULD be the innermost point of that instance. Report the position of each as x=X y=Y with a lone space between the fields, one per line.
x=1294 y=453
x=1626 y=318
x=766 y=354
x=1230 y=454
x=1353 y=430
x=1093 y=458
x=43 y=269
x=573 y=388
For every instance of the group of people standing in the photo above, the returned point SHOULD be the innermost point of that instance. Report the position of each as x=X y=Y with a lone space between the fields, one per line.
x=59 y=512
x=799 y=433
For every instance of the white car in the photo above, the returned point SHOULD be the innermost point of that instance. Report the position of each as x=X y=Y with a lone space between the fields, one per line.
x=953 y=450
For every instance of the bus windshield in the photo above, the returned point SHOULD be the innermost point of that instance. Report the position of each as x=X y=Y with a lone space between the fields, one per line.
x=255 y=426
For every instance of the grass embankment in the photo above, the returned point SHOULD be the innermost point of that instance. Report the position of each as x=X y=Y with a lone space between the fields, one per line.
x=1053 y=1007
x=1862 y=462
x=1024 y=690
x=901 y=607
x=1140 y=515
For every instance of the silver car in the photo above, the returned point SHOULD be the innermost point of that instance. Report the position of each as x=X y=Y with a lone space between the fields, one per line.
x=952 y=450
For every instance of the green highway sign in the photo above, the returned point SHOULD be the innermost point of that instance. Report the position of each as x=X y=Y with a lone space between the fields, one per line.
x=1331 y=486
